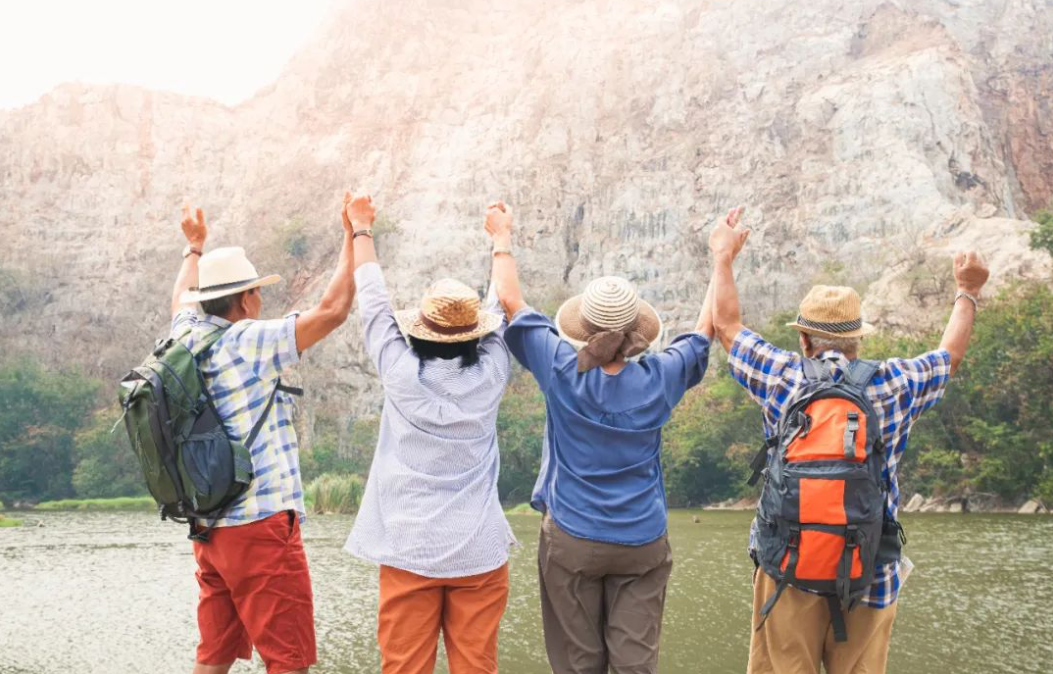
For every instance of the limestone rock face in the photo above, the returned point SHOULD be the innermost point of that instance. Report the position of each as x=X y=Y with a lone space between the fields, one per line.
x=869 y=141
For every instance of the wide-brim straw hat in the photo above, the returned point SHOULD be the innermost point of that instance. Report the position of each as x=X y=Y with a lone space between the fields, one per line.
x=225 y=271
x=832 y=311
x=608 y=303
x=449 y=312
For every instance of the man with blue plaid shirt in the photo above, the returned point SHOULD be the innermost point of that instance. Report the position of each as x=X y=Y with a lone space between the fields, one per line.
x=798 y=636
x=255 y=588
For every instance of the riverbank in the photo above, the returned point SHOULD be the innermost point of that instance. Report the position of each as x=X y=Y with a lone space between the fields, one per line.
x=7 y=522
x=100 y=504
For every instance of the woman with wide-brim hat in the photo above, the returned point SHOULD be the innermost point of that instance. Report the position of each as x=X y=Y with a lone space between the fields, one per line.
x=430 y=515
x=603 y=556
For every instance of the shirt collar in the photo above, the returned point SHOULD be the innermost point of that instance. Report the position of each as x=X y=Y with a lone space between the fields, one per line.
x=217 y=321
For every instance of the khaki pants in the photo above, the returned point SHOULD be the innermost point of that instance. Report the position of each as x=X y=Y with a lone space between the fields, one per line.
x=414 y=608
x=601 y=604
x=797 y=637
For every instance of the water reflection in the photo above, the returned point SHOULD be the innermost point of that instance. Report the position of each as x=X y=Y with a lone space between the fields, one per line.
x=115 y=592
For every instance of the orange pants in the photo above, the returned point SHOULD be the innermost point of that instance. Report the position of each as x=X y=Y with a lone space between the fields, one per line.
x=414 y=608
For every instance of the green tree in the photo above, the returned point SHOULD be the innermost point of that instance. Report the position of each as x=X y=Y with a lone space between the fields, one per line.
x=106 y=466
x=520 y=431
x=1042 y=235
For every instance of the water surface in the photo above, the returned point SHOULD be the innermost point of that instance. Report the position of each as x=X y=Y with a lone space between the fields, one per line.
x=115 y=593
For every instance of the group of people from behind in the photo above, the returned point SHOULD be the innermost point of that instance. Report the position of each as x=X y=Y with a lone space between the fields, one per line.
x=827 y=571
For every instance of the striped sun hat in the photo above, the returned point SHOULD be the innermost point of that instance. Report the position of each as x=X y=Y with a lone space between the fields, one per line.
x=832 y=311
x=608 y=303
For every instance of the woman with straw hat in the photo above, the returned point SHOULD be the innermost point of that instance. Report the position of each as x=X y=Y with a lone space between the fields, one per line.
x=603 y=555
x=430 y=516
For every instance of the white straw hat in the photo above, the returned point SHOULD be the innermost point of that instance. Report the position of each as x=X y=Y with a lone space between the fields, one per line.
x=225 y=271
x=608 y=303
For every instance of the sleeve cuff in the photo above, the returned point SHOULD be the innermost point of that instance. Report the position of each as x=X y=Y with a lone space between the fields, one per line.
x=368 y=274
x=292 y=355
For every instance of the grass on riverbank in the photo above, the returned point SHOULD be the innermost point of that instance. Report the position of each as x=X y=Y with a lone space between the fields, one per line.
x=6 y=522
x=334 y=493
x=119 y=503
x=521 y=509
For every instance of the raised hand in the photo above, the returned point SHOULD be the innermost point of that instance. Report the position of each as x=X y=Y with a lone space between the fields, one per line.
x=727 y=238
x=358 y=213
x=499 y=222
x=194 y=228
x=970 y=272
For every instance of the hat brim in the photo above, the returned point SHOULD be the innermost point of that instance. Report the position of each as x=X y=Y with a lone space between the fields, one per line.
x=192 y=296
x=866 y=329
x=570 y=325
x=411 y=325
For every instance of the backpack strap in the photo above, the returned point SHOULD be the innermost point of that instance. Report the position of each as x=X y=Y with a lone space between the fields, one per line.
x=760 y=459
x=837 y=619
x=815 y=370
x=859 y=373
x=788 y=576
x=207 y=342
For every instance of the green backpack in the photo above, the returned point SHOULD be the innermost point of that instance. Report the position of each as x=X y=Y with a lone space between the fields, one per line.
x=192 y=468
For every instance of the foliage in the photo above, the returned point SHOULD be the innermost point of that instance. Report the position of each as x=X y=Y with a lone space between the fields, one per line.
x=1042 y=235
x=106 y=467
x=334 y=493
x=520 y=431
x=40 y=414
x=521 y=509
x=118 y=503
x=327 y=454
x=7 y=522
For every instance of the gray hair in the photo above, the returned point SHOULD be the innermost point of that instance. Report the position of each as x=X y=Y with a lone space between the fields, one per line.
x=841 y=344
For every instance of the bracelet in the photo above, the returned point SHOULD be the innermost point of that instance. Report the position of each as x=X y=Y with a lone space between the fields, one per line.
x=363 y=232
x=498 y=250
x=190 y=250
x=972 y=298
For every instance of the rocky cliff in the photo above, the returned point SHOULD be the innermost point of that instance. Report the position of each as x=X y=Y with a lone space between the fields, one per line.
x=868 y=140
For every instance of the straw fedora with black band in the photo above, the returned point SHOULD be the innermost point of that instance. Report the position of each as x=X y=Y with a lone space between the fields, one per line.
x=225 y=271
x=832 y=311
x=608 y=303
x=449 y=312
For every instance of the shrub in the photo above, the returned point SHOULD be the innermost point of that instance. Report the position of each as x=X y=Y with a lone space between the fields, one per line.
x=334 y=493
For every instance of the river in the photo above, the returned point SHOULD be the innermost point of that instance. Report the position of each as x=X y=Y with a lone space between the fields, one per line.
x=114 y=593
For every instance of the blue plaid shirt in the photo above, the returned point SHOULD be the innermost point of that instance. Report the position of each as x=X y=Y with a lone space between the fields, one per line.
x=241 y=371
x=901 y=390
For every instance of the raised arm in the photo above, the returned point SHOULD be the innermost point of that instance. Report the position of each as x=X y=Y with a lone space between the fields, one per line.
x=725 y=243
x=359 y=215
x=331 y=311
x=196 y=232
x=970 y=273
x=505 y=274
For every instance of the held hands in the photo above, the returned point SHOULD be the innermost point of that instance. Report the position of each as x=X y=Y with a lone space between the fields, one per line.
x=194 y=229
x=970 y=272
x=727 y=238
x=358 y=212
x=499 y=223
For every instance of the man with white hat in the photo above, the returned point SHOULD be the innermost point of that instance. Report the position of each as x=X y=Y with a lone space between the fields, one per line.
x=252 y=571
x=603 y=556
x=797 y=631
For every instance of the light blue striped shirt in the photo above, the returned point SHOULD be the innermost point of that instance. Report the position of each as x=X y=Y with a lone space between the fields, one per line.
x=430 y=505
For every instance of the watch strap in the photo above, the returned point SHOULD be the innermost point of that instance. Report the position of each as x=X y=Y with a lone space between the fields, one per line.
x=972 y=298
x=363 y=232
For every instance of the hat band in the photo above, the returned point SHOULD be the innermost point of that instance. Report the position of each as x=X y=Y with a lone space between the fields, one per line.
x=844 y=326
x=225 y=286
x=447 y=329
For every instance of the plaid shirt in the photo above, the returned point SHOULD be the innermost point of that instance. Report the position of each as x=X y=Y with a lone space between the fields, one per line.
x=241 y=371
x=901 y=390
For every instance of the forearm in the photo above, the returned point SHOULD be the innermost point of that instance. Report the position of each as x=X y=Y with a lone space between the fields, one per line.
x=340 y=293
x=705 y=318
x=185 y=280
x=959 y=331
x=727 y=316
x=365 y=251
x=506 y=283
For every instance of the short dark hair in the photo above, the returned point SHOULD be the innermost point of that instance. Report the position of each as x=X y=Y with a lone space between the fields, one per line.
x=468 y=351
x=221 y=306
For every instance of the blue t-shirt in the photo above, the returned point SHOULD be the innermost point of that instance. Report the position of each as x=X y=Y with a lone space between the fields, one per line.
x=601 y=470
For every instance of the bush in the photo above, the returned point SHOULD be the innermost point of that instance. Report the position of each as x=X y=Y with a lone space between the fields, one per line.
x=6 y=522
x=121 y=503
x=334 y=493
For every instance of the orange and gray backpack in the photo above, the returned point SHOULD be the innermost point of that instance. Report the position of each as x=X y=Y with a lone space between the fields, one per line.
x=821 y=513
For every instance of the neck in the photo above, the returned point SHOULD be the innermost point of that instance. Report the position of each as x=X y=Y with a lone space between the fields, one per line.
x=615 y=366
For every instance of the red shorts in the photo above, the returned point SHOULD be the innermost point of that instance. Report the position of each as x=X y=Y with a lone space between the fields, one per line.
x=256 y=591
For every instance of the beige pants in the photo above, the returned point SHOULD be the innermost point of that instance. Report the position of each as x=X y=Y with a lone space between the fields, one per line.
x=797 y=637
x=601 y=604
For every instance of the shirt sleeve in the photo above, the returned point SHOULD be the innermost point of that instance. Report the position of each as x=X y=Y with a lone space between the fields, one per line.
x=267 y=346
x=384 y=340
x=683 y=364
x=758 y=365
x=182 y=321
x=926 y=378
x=534 y=341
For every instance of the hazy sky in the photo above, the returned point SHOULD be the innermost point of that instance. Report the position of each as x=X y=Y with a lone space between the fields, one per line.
x=224 y=49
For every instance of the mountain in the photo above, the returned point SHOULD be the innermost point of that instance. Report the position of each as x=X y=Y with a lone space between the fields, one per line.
x=868 y=140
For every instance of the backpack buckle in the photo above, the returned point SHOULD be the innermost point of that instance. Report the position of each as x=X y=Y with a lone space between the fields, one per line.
x=851 y=428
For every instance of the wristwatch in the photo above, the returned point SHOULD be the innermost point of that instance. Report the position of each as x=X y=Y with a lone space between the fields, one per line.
x=190 y=250
x=502 y=249
x=363 y=232
x=972 y=298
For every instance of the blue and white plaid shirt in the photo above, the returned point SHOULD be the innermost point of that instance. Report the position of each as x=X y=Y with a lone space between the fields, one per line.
x=901 y=390
x=241 y=371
